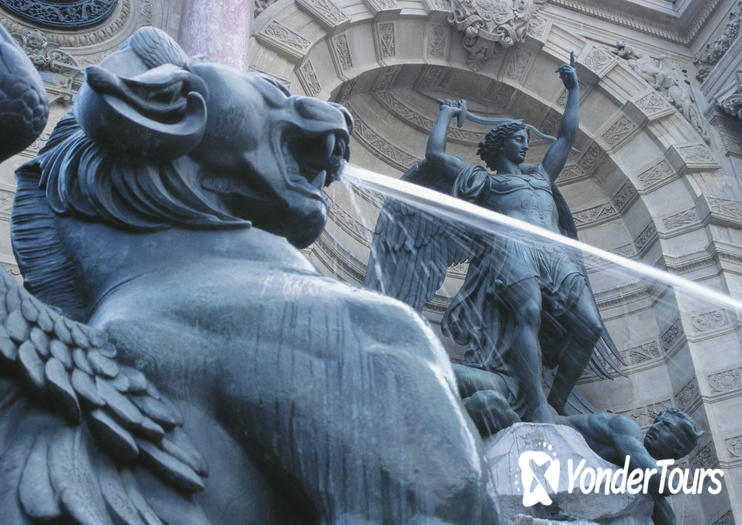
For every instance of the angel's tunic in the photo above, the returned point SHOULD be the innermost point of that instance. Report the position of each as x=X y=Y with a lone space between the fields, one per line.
x=476 y=317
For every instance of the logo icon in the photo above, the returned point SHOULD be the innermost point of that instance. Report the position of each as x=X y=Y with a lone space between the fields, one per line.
x=539 y=473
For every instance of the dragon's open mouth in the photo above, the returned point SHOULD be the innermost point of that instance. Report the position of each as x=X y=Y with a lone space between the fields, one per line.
x=314 y=159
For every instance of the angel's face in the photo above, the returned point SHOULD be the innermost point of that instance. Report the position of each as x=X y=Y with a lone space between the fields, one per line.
x=515 y=147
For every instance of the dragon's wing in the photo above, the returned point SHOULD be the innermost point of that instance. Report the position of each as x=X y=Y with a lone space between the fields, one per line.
x=24 y=108
x=412 y=249
x=81 y=436
x=605 y=351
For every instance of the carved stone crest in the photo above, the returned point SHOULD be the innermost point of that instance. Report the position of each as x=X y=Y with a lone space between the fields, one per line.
x=489 y=23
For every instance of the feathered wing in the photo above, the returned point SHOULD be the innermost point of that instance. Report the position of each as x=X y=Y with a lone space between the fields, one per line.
x=24 y=107
x=412 y=249
x=85 y=439
x=605 y=351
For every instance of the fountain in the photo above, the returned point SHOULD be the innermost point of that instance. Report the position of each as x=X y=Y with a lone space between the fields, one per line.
x=174 y=359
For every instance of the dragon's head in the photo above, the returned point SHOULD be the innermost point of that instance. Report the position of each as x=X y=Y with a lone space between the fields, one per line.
x=248 y=149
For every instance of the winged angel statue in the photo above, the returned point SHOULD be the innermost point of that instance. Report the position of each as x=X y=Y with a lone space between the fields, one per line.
x=525 y=300
x=150 y=234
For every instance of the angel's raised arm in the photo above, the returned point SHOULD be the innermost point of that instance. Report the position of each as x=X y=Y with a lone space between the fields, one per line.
x=556 y=157
x=435 y=153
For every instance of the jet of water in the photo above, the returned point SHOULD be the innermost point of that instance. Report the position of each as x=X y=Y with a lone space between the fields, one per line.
x=487 y=220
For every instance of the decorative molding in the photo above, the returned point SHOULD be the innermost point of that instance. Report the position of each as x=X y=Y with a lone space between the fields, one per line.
x=704 y=457
x=386 y=78
x=340 y=51
x=597 y=60
x=642 y=353
x=713 y=51
x=645 y=415
x=325 y=12
x=308 y=78
x=377 y=6
x=624 y=196
x=385 y=40
x=731 y=102
x=734 y=446
x=438 y=41
x=654 y=105
x=656 y=176
x=680 y=219
x=350 y=224
x=672 y=335
x=591 y=158
x=517 y=63
x=489 y=25
x=688 y=395
x=666 y=31
x=419 y=121
x=286 y=41
x=345 y=91
x=726 y=381
x=618 y=132
x=725 y=207
x=384 y=149
x=595 y=215
x=645 y=239
x=67 y=15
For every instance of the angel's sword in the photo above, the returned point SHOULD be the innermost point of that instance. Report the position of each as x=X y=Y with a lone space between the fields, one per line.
x=465 y=115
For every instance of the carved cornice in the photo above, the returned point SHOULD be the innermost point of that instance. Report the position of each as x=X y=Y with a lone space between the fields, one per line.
x=683 y=30
x=714 y=51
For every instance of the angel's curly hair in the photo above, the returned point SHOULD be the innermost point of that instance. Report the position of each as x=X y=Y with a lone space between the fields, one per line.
x=490 y=147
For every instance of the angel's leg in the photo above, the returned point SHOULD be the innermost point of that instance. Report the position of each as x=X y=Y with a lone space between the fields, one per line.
x=584 y=325
x=524 y=300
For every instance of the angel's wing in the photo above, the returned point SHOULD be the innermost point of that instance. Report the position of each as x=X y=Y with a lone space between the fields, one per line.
x=84 y=439
x=411 y=249
x=605 y=354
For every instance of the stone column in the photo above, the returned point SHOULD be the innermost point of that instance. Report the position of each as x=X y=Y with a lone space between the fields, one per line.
x=219 y=29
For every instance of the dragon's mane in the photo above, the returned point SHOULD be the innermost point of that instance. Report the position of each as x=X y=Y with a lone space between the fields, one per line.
x=74 y=176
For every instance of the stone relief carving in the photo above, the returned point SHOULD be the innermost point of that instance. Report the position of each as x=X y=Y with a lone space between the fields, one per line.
x=386 y=40
x=680 y=219
x=489 y=24
x=438 y=40
x=61 y=72
x=393 y=155
x=734 y=446
x=731 y=103
x=687 y=395
x=713 y=52
x=61 y=14
x=326 y=12
x=621 y=129
x=653 y=103
x=656 y=175
x=261 y=5
x=642 y=353
x=727 y=207
x=284 y=40
x=594 y=215
x=308 y=78
x=726 y=381
x=342 y=52
x=671 y=335
x=624 y=196
x=671 y=83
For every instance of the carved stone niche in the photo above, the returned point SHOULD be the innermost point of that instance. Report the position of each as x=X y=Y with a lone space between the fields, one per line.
x=60 y=71
x=487 y=24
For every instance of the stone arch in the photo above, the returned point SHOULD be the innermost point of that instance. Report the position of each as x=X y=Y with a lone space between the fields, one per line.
x=644 y=177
